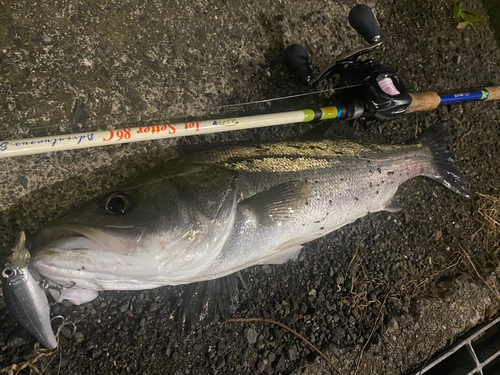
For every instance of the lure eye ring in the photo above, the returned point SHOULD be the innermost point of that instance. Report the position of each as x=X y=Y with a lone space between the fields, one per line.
x=117 y=203
x=9 y=273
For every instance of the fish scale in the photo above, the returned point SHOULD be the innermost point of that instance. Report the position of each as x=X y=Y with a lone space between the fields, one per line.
x=214 y=213
x=342 y=191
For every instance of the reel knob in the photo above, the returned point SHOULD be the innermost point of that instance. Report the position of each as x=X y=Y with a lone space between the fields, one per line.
x=295 y=58
x=362 y=19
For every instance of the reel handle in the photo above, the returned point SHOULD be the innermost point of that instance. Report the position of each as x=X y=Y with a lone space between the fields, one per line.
x=295 y=58
x=362 y=19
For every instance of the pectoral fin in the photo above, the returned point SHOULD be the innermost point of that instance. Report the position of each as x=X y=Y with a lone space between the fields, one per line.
x=75 y=296
x=273 y=206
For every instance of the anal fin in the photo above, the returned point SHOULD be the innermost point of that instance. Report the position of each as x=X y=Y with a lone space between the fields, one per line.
x=392 y=205
x=284 y=255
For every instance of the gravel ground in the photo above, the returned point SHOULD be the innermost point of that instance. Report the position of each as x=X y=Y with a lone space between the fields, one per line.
x=395 y=286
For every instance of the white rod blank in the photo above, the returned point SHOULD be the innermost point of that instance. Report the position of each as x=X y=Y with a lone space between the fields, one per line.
x=144 y=133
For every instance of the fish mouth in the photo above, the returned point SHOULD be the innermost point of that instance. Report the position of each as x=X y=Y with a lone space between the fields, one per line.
x=63 y=238
x=119 y=239
x=91 y=258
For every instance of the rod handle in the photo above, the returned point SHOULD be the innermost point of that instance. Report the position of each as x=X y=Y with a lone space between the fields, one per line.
x=493 y=93
x=428 y=101
x=424 y=101
x=362 y=19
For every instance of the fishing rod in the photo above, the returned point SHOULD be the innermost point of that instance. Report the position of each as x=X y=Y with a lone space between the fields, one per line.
x=369 y=90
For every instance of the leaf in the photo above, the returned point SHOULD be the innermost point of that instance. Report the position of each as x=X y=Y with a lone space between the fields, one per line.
x=465 y=18
x=472 y=17
x=457 y=9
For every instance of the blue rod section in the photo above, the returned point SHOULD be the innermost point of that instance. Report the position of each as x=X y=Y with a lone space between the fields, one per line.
x=465 y=97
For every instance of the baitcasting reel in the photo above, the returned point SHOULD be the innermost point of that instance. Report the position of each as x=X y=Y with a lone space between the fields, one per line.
x=378 y=91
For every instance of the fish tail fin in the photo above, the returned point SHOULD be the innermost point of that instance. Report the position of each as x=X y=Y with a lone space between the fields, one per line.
x=439 y=141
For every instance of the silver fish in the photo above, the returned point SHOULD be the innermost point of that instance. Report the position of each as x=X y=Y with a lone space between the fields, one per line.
x=25 y=296
x=218 y=212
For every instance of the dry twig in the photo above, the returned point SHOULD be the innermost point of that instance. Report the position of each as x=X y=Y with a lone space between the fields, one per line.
x=490 y=226
x=357 y=296
x=454 y=263
x=495 y=292
x=264 y=320
x=38 y=353
x=373 y=330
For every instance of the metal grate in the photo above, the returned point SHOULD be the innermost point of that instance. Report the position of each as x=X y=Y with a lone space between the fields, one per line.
x=477 y=354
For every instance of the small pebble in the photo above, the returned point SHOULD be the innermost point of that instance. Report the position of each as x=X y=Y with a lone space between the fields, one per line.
x=252 y=336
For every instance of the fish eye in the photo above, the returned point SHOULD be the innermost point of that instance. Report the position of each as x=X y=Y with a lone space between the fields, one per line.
x=117 y=204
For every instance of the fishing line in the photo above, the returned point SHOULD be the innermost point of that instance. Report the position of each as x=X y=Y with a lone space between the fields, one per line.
x=67 y=125
x=378 y=93
x=289 y=96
